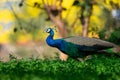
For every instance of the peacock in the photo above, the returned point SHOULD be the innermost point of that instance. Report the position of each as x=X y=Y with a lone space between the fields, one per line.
x=79 y=47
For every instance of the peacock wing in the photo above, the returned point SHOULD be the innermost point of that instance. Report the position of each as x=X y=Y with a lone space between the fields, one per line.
x=93 y=42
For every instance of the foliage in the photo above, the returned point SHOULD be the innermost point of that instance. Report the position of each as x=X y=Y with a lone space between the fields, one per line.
x=30 y=16
x=99 y=67
x=75 y=11
x=29 y=29
x=115 y=37
x=111 y=29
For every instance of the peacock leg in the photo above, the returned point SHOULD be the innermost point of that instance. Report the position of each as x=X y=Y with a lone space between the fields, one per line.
x=63 y=56
x=88 y=57
x=80 y=59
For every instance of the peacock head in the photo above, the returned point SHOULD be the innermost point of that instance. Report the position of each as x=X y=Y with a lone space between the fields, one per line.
x=48 y=30
x=51 y=34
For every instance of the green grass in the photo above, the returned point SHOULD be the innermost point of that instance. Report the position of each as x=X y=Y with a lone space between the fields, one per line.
x=97 y=68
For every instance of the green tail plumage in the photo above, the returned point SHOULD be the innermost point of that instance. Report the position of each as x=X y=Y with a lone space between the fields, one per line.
x=113 y=51
x=109 y=50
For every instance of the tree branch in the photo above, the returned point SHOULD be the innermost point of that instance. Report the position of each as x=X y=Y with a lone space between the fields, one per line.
x=15 y=15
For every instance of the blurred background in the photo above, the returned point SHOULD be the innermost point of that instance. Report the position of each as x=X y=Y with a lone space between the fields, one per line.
x=22 y=24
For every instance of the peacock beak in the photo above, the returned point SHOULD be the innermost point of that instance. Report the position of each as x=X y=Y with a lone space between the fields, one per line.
x=45 y=30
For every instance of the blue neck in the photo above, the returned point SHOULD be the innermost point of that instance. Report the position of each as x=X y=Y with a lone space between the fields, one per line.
x=54 y=43
x=50 y=40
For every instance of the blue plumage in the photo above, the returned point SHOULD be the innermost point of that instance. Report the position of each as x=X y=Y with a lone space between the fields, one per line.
x=77 y=46
x=65 y=47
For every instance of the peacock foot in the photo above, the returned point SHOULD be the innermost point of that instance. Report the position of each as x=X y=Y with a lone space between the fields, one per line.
x=80 y=59
x=88 y=57
x=63 y=56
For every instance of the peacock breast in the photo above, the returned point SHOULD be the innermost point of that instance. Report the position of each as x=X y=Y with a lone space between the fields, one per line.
x=70 y=49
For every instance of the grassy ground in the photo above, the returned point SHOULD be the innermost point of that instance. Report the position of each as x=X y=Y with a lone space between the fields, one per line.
x=97 y=68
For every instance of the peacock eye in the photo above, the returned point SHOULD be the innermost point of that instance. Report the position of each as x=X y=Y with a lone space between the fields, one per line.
x=48 y=30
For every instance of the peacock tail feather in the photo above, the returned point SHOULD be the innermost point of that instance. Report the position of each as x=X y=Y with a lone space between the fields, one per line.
x=88 y=41
x=113 y=51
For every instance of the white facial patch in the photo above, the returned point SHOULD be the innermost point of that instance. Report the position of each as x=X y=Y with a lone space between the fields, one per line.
x=48 y=30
